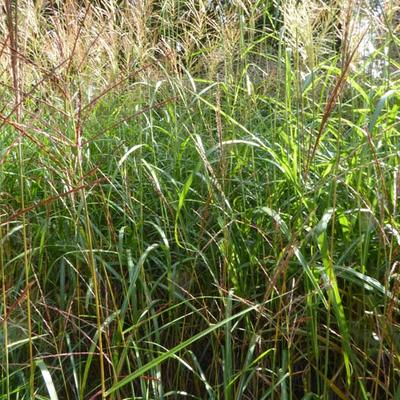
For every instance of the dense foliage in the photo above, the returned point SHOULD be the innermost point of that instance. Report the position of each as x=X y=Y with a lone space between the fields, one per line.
x=199 y=200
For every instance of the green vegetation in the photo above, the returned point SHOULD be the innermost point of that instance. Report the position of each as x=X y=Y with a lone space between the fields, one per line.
x=199 y=200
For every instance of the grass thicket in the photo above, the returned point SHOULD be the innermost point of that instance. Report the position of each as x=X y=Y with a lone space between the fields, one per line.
x=199 y=200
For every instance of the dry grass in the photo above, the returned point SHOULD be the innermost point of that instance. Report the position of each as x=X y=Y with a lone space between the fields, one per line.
x=91 y=46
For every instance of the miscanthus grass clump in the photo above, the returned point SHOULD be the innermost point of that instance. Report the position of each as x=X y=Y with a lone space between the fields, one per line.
x=199 y=200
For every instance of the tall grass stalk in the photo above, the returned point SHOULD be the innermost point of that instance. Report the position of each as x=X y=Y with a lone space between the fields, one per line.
x=13 y=32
